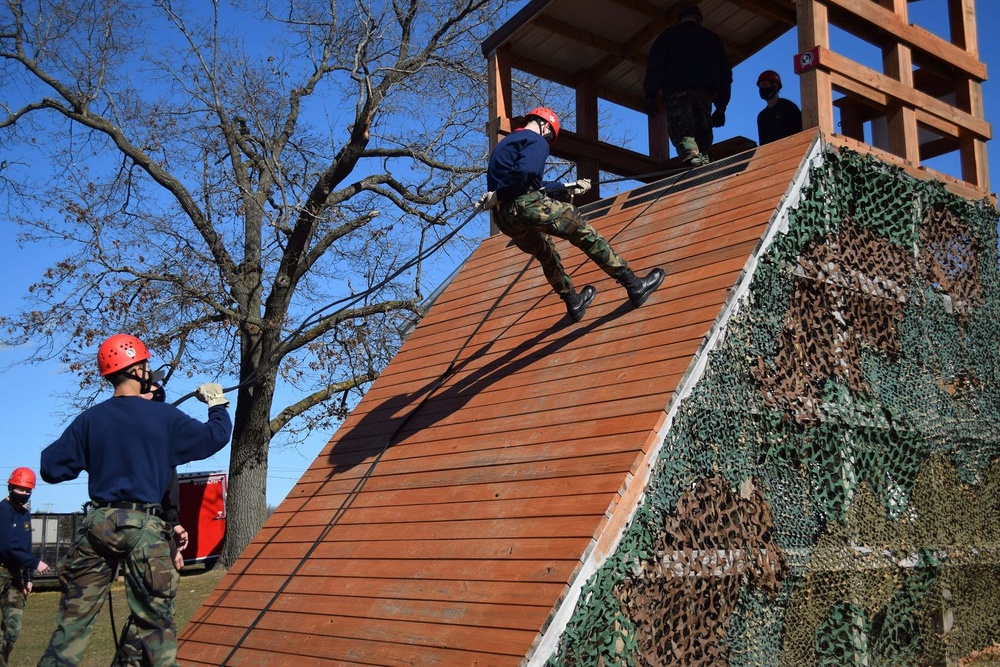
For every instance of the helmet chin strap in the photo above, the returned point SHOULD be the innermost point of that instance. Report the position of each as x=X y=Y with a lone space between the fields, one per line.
x=145 y=383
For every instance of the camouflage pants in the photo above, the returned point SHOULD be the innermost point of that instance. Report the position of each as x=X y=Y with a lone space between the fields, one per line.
x=689 y=115
x=533 y=219
x=141 y=543
x=12 y=600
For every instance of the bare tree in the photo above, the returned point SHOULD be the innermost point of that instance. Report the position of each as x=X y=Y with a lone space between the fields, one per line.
x=219 y=176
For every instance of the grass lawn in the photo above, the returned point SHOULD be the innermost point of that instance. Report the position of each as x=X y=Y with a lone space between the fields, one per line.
x=40 y=617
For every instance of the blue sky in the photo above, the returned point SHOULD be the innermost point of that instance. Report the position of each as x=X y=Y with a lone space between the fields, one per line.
x=34 y=414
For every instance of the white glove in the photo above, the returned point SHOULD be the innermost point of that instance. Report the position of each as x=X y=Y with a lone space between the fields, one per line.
x=212 y=393
x=578 y=187
x=488 y=201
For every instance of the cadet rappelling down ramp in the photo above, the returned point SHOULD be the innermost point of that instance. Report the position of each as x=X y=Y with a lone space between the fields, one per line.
x=449 y=534
x=526 y=213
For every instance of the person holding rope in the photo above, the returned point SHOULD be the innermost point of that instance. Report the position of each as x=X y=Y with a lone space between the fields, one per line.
x=526 y=213
x=129 y=446
x=17 y=562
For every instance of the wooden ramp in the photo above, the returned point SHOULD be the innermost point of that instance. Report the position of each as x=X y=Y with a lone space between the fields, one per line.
x=453 y=512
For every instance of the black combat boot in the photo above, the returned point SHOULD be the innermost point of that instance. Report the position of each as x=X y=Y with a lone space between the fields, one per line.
x=690 y=153
x=577 y=302
x=640 y=289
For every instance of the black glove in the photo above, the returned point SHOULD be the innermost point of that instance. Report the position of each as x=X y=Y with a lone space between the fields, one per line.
x=651 y=108
x=719 y=118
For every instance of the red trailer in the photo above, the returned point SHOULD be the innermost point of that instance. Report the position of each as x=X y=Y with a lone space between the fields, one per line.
x=202 y=510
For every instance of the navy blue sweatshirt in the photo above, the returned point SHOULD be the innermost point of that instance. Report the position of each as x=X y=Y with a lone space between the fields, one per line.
x=15 y=537
x=516 y=166
x=688 y=56
x=130 y=446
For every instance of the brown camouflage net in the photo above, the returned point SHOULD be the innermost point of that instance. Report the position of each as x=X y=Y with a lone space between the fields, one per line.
x=829 y=492
x=849 y=292
x=682 y=597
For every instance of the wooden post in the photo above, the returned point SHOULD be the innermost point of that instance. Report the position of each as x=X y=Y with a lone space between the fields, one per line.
x=972 y=150
x=816 y=87
x=659 y=133
x=962 y=21
x=498 y=75
x=969 y=93
x=586 y=127
x=897 y=62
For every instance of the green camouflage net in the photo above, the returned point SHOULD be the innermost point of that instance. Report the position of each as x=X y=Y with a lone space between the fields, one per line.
x=829 y=493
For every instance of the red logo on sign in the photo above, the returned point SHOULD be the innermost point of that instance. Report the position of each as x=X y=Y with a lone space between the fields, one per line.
x=807 y=60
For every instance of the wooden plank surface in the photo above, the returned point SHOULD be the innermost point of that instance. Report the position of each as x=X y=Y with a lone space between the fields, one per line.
x=444 y=520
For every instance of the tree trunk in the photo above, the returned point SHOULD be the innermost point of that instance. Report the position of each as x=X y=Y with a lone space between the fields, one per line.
x=246 y=504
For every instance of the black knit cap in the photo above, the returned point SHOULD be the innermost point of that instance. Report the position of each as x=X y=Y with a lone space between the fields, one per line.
x=689 y=9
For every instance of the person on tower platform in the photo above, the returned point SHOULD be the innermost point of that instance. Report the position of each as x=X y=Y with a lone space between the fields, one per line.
x=690 y=65
x=780 y=118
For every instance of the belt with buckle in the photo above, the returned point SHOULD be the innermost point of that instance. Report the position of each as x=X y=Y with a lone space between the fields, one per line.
x=148 y=508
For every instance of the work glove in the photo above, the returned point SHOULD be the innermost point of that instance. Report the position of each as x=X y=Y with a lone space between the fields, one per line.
x=488 y=201
x=719 y=118
x=578 y=187
x=212 y=393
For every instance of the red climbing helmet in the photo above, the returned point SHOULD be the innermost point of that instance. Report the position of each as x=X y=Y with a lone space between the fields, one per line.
x=769 y=75
x=118 y=352
x=549 y=116
x=23 y=478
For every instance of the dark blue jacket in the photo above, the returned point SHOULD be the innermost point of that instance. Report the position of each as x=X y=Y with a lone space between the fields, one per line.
x=516 y=166
x=15 y=537
x=687 y=56
x=782 y=120
x=130 y=446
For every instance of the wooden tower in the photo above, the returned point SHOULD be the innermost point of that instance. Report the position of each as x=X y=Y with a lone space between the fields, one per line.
x=927 y=95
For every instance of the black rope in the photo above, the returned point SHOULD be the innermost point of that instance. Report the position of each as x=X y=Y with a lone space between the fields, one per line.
x=363 y=480
x=119 y=657
x=347 y=302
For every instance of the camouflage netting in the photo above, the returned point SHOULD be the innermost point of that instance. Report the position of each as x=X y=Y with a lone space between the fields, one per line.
x=828 y=493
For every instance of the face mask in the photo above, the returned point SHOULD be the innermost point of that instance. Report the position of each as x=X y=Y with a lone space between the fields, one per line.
x=156 y=385
x=767 y=92
x=19 y=500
